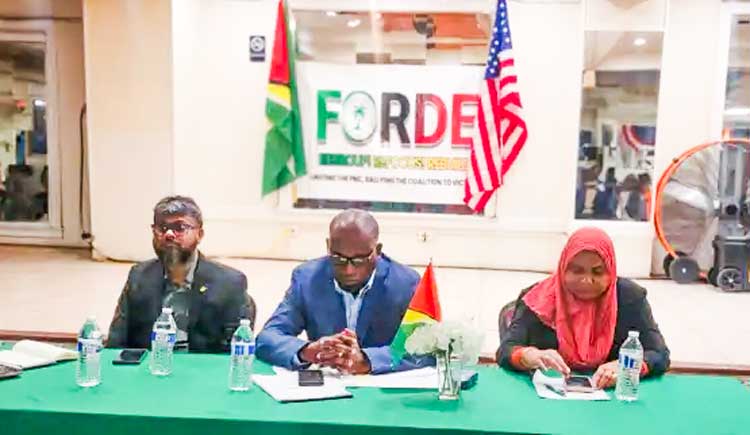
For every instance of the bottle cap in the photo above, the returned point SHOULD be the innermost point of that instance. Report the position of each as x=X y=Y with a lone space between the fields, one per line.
x=91 y=318
x=245 y=322
x=633 y=334
x=166 y=310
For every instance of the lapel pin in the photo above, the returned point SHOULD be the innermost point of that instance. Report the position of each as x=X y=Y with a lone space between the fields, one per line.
x=203 y=289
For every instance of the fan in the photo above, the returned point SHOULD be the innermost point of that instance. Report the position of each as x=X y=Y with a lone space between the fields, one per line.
x=701 y=214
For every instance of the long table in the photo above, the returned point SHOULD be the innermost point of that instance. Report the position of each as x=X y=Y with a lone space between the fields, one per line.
x=195 y=400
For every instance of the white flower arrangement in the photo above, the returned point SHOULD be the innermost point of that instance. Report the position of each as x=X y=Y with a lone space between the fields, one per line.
x=448 y=338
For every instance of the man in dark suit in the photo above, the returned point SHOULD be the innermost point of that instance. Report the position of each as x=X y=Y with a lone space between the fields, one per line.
x=207 y=299
x=349 y=303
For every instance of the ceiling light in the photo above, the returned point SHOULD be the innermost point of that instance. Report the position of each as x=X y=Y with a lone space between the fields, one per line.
x=737 y=111
x=639 y=42
x=331 y=13
x=354 y=23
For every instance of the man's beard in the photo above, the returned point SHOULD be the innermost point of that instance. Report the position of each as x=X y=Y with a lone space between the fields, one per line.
x=172 y=255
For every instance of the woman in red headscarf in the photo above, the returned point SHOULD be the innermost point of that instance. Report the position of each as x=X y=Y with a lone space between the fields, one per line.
x=578 y=318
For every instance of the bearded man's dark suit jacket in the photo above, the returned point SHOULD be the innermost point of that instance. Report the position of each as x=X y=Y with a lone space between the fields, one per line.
x=218 y=300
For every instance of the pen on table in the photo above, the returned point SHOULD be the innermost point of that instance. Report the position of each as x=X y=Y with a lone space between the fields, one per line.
x=555 y=389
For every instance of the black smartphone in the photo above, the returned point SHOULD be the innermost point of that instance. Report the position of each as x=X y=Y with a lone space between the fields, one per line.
x=579 y=383
x=129 y=356
x=310 y=378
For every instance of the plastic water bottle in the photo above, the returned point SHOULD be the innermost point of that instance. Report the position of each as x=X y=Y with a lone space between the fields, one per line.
x=88 y=366
x=629 y=369
x=163 y=338
x=242 y=356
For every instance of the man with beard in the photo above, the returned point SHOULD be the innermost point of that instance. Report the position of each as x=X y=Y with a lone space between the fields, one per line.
x=350 y=304
x=208 y=299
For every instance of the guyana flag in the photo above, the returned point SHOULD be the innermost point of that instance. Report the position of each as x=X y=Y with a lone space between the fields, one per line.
x=423 y=308
x=285 y=153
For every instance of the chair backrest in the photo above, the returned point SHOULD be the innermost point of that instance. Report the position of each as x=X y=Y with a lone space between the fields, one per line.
x=504 y=318
x=252 y=311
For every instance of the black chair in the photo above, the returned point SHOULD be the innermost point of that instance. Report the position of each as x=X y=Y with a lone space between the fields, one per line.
x=3 y=196
x=229 y=328
x=504 y=319
x=252 y=310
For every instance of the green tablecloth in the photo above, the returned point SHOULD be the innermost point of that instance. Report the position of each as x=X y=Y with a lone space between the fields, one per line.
x=195 y=400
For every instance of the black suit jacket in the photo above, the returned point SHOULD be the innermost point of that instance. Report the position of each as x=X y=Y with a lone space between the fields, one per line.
x=633 y=313
x=218 y=300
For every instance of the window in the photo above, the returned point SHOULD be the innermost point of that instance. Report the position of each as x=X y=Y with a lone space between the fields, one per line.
x=23 y=132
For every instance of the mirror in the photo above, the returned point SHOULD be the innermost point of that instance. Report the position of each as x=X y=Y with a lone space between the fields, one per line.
x=737 y=103
x=617 y=138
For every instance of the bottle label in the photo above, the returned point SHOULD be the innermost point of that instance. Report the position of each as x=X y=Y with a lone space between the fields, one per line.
x=164 y=336
x=242 y=349
x=88 y=346
x=628 y=362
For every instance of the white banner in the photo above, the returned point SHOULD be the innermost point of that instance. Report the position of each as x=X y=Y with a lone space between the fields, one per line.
x=391 y=133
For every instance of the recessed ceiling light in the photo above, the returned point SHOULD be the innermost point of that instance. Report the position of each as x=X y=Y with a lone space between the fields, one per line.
x=737 y=111
x=639 y=42
x=331 y=13
x=354 y=23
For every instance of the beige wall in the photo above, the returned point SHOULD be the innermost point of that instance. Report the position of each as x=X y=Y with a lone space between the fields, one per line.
x=130 y=130
x=70 y=100
x=197 y=127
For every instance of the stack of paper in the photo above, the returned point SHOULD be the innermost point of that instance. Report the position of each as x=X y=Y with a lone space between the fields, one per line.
x=424 y=378
x=418 y=379
x=284 y=388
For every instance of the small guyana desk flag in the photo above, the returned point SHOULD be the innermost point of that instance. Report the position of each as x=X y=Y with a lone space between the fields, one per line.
x=423 y=308
x=285 y=152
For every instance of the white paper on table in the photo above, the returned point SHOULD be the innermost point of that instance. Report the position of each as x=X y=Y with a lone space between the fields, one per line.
x=423 y=378
x=545 y=388
x=285 y=389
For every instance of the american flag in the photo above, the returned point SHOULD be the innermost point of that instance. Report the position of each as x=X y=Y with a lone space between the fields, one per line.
x=500 y=132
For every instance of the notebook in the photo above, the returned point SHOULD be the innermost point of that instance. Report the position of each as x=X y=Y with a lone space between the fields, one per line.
x=28 y=354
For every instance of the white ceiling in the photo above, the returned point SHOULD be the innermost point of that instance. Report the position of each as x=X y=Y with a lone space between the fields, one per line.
x=617 y=51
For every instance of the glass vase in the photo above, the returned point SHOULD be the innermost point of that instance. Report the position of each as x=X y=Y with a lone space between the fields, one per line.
x=449 y=369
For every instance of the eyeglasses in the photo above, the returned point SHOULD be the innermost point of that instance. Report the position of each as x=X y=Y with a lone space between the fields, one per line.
x=340 y=260
x=178 y=228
